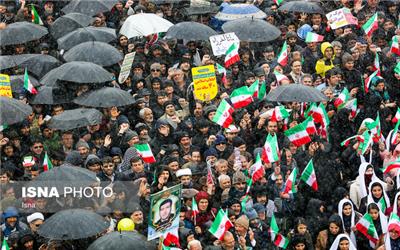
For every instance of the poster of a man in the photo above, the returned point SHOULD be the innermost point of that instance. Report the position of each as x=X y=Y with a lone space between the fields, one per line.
x=165 y=214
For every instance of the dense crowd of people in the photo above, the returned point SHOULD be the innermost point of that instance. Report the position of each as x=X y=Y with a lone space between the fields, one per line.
x=184 y=139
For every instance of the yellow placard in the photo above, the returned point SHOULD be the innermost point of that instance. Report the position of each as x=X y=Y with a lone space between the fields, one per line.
x=5 y=86
x=205 y=82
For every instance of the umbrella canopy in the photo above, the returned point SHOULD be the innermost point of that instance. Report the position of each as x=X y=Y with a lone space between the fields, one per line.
x=236 y=11
x=89 y=7
x=190 y=31
x=302 y=7
x=73 y=224
x=50 y=95
x=21 y=32
x=81 y=35
x=17 y=83
x=96 y=52
x=252 y=30
x=13 y=111
x=69 y=22
x=105 y=98
x=120 y=241
x=202 y=9
x=159 y=2
x=37 y=64
x=144 y=24
x=79 y=72
x=76 y=118
x=295 y=93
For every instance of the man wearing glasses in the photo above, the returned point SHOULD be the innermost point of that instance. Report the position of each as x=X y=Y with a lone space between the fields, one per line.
x=37 y=152
x=35 y=220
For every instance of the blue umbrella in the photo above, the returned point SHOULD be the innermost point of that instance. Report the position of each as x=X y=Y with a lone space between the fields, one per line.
x=236 y=11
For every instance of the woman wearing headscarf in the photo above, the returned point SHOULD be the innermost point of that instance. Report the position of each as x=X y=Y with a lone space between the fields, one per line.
x=377 y=195
x=395 y=208
x=326 y=237
x=343 y=242
x=300 y=230
x=349 y=218
x=380 y=223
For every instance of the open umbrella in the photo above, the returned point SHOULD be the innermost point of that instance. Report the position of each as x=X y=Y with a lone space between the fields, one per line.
x=121 y=241
x=79 y=72
x=190 y=31
x=89 y=7
x=13 y=111
x=144 y=24
x=69 y=22
x=50 y=95
x=21 y=32
x=302 y=7
x=295 y=93
x=73 y=224
x=81 y=35
x=17 y=83
x=37 y=64
x=96 y=52
x=76 y=118
x=236 y=11
x=105 y=98
x=252 y=30
x=201 y=9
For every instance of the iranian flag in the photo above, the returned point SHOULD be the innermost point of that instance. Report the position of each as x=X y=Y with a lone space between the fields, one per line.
x=28 y=161
x=352 y=105
x=223 y=115
x=290 y=183
x=145 y=153
x=396 y=117
x=47 y=165
x=395 y=133
x=171 y=238
x=257 y=169
x=273 y=229
x=280 y=77
x=366 y=226
x=279 y=113
x=5 y=246
x=395 y=48
x=262 y=91
x=270 y=151
x=342 y=98
x=382 y=204
x=377 y=66
x=309 y=177
x=220 y=225
x=35 y=16
x=367 y=82
x=277 y=2
x=164 y=247
x=365 y=143
x=281 y=241
x=255 y=88
x=283 y=56
x=314 y=38
x=222 y=70
x=195 y=209
x=310 y=126
x=28 y=85
x=321 y=111
x=371 y=25
x=390 y=166
x=375 y=128
x=298 y=135
x=397 y=68
x=241 y=97
x=232 y=55
x=394 y=222
x=346 y=142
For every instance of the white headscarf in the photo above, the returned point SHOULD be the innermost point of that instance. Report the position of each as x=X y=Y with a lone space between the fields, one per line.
x=371 y=199
x=395 y=208
x=398 y=179
x=335 y=244
x=361 y=176
x=353 y=221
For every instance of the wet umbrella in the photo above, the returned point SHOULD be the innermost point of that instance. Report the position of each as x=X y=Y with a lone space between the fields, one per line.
x=295 y=93
x=21 y=32
x=236 y=11
x=89 y=7
x=201 y=9
x=190 y=31
x=17 y=83
x=79 y=72
x=81 y=35
x=72 y=224
x=69 y=22
x=144 y=24
x=13 y=111
x=37 y=64
x=159 y=2
x=76 y=118
x=96 y=52
x=252 y=30
x=302 y=7
x=121 y=241
x=50 y=95
x=105 y=98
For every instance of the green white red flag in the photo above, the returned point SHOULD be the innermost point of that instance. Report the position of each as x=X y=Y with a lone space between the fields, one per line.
x=145 y=153
x=298 y=135
x=366 y=226
x=220 y=225
x=377 y=66
x=241 y=97
x=342 y=98
x=278 y=2
x=365 y=143
x=395 y=134
x=28 y=161
x=283 y=56
x=195 y=209
x=347 y=142
x=28 y=85
x=290 y=183
x=171 y=239
x=232 y=55
x=279 y=114
x=222 y=70
x=4 y=245
x=309 y=177
x=281 y=241
x=310 y=126
x=47 y=164
x=395 y=48
x=270 y=151
x=394 y=222
x=352 y=105
x=390 y=166
x=257 y=169
x=396 y=117
x=280 y=77
x=375 y=128
x=371 y=25
x=313 y=37
x=273 y=229
x=255 y=88
x=35 y=16
x=368 y=81
x=223 y=115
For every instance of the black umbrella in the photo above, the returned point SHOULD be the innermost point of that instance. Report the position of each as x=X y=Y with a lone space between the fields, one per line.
x=13 y=111
x=295 y=93
x=79 y=72
x=76 y=118
x=73 y=224
x=121 y=241
x=159 y=2
x=37 y=64
x=302 y=7
x=100 y=34
x=190 y=31
x=69 y=22
x=89 y=7
x=50 y=95
x=17 y=83
x=202 y=9
x=21 y=32
x=105 y=98
x=252 y=30
x=96 y=52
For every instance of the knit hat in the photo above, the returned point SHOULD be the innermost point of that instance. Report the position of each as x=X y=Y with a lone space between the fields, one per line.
x=82 y=143
x=238 y=177
x=122 y=119
x=209 y=109
x=200 y=196
x=210 y=152
x=129 y=134
x=242 y=221
x=220 y=139
x=74 y=158
x=260 y=208
x=237 y=142
x=251 y=214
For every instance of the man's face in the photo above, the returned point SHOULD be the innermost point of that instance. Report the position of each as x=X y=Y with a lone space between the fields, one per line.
x=272 y=127
x=307 y=81
x=279 y=180
x=83 y=151
x=34 y=225
x=225 y=183
x=329 y=53
x=165 y=211
x=48 y=132
x=138 y=72
x=221 y=168
x=67 y=140
x=4 y=179
x=296 y=67
x=137 y=167
x=230 y=135
x=12 y=221
x=196 y=157
x=269 y=55
x=148 y=115
x=57 y=110
x=185 y=141
x=316 y=19
x=241 y=185
x=108 y=168
x=161 y=100
x=137 y=217
x=170 y=110
x=334 y=80
x=156 y=72
x=229 y=242
x=37 y=148
x=185 y=180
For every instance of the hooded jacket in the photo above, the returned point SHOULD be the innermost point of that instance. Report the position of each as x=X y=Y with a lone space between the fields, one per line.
x=324 y=64
x=8 y=229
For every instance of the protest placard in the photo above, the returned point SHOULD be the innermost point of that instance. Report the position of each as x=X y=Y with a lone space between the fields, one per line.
x=126 y=67
x=205 y=82
x=220 y=43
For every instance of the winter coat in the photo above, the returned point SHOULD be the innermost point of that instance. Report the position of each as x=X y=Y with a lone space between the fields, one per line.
x=323 y=64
